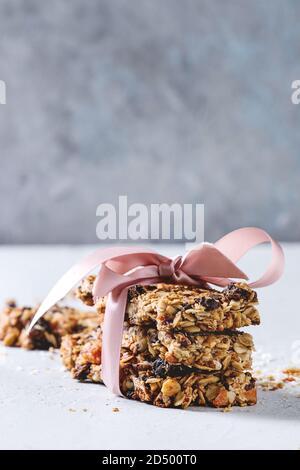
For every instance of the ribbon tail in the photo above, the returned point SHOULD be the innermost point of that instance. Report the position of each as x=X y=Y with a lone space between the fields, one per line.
x=130 y=256
x=235 y=244
x=67 y=282
x=112 y=339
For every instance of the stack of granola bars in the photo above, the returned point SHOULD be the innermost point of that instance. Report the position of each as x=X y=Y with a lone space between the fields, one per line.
x=181 y=345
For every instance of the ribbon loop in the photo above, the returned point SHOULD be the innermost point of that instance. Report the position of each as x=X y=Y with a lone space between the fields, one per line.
x=168 y=269
x=237 y=243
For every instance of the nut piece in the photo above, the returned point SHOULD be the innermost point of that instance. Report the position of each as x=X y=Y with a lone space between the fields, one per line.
x=170 y=387
x=11 y=337
x=222 y=399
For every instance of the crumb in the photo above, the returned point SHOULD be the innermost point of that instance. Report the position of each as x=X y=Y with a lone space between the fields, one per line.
x=295 y=371
x=289 y=379
x=227 y=409
x=72 y=410
x=270 y=385
x=115 y=410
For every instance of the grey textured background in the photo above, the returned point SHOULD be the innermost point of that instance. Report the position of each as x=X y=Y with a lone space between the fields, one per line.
x=162 y=100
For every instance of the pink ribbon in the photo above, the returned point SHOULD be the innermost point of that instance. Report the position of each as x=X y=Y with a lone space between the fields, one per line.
x=122 y=267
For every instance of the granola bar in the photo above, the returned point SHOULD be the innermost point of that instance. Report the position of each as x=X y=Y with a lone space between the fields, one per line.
x=145 y=378
x=60 y=320
x=218 y=391
x=191 y=309
x=206 y=352
x=157 y=382
x=201 y=353
x=169 y=385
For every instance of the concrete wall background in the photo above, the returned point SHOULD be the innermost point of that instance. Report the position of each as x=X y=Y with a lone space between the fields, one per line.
x=162 y=100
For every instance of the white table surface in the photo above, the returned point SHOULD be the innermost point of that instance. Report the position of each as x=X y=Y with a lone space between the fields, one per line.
x=41 y=407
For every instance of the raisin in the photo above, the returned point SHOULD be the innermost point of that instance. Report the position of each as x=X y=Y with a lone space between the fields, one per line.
x=81 y=372
x=235 y=292
x=250 y=385
x=209 y=303
x=137 y=290
x=159 y=368
x=185 y=306
x=163 y=369
x=38 y=337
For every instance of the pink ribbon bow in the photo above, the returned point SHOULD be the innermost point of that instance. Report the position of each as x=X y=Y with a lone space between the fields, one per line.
x=128 y=266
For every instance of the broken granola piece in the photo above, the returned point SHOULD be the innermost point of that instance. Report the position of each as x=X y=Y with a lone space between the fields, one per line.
x=85 y=290
x=292 y=372
x=48 y=331
x=81 y=354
